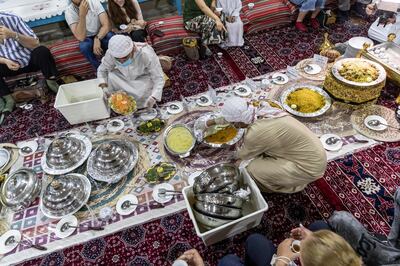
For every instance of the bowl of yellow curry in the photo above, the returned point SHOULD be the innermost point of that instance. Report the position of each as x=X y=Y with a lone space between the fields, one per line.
x=179 y=140
x=226 y=135
x=306 y=100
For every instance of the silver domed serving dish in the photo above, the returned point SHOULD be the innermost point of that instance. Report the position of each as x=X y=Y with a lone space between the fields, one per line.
x=20 y=189
x=65 y=154
x=65 y=195
x=199 y=133
x=112 y=160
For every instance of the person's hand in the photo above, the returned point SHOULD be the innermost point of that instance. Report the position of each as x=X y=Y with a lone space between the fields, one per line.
x=97 y=47
x=83 y=8
x=370 y=9
x=150 y=102
x=14 y=66
x=391 y=20
x=6 y=33
x=220 y=26
x=300 y=233
x=192 y=257
x=128 y=29
x=285 y=250
x=141 y=23
x=213 y=130
x=103 y=85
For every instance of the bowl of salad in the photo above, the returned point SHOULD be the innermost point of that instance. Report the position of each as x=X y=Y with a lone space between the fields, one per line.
x=122 y=103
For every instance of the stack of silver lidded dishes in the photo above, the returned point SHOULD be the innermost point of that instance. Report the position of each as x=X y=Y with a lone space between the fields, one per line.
x=20 y=189
x=215 y=200
x=65 y=195
x=65 y=154
x=112 y=160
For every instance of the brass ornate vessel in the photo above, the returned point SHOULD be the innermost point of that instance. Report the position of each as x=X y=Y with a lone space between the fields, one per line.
x=351 y=92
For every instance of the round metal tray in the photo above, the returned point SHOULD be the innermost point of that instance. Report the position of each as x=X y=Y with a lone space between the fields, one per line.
x=338 y=65
x=65 y=190
x=285 y=94
x=114 y=175
x=198 y=132
x=87 y=144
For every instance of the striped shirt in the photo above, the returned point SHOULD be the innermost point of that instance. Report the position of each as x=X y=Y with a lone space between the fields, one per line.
x=11 y=49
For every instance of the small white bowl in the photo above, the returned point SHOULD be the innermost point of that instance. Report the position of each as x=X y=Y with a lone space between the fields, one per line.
x=162 y=199
x=250 y=5
x=375 y=117
x=331 y=147
x=7 y=236
x=175 y=108
x=132 y=199
x=314 y=69
x=71 y=220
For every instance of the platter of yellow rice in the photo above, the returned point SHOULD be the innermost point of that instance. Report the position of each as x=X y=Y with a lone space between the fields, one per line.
x=305 y=100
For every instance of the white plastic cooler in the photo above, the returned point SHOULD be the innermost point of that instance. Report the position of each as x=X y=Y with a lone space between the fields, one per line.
x=253 y=213
x=82 y=101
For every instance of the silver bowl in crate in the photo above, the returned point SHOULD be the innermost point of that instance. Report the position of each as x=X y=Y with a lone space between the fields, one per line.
x=65 y=154
x=217 y=211
x=216 y=178
x=220 y=199
x=112 y=160
x=207 y=221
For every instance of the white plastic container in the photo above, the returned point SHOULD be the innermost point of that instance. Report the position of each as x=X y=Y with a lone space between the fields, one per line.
x=253 y=213
x=82 y=101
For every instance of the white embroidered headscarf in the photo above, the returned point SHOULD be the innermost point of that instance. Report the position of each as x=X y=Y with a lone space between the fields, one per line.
x=120 y=46
x=237 y=110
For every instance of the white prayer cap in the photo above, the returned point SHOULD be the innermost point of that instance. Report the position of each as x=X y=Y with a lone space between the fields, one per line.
x=236 y=110
x=120 y=46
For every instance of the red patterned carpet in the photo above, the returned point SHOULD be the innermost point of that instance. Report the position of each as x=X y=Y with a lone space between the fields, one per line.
x=362 y=183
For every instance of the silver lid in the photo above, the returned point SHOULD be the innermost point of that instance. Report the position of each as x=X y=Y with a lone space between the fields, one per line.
x=66 y=154
x=112 y=160
x=20 y=189
x=216 y=178
x=65 y=195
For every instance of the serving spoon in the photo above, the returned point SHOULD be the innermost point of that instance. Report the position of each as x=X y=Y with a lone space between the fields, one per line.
x=334 y=140
x=375 y=123
x=67 y=226
x=11 y=241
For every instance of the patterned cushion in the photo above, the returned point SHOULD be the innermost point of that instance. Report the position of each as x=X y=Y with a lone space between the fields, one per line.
x=174 y=32
x=69 y=59
x=266 y=14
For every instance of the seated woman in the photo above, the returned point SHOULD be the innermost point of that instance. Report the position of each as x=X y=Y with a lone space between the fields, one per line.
x=285 y=155
x=318 y=246
x=234 y=24
x=128 y=12
x=199 y=17
x=306 y=6
x=133 y=67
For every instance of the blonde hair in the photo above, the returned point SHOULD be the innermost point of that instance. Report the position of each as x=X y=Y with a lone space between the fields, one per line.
x=326 y=248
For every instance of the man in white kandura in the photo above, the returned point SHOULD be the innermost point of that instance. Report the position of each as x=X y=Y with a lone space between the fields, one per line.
x=234 y=24
x=133 y=68
x=285 y=155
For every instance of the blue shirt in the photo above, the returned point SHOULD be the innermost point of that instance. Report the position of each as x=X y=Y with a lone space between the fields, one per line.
x=11 y=49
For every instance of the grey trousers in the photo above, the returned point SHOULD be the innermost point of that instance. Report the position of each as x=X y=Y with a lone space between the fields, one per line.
x=374 y=252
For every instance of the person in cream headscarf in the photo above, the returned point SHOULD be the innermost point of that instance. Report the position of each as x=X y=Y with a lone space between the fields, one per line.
x=285 y=155
x=134 y=68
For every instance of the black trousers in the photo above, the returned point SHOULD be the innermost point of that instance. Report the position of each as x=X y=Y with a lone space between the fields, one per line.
x=41 y=59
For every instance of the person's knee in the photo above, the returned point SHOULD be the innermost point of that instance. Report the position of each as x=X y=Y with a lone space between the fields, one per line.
x=254 y=239
x=318 y=225
x=230 y=260
x=86 y=46
x=342 y=220
x=41 y=50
